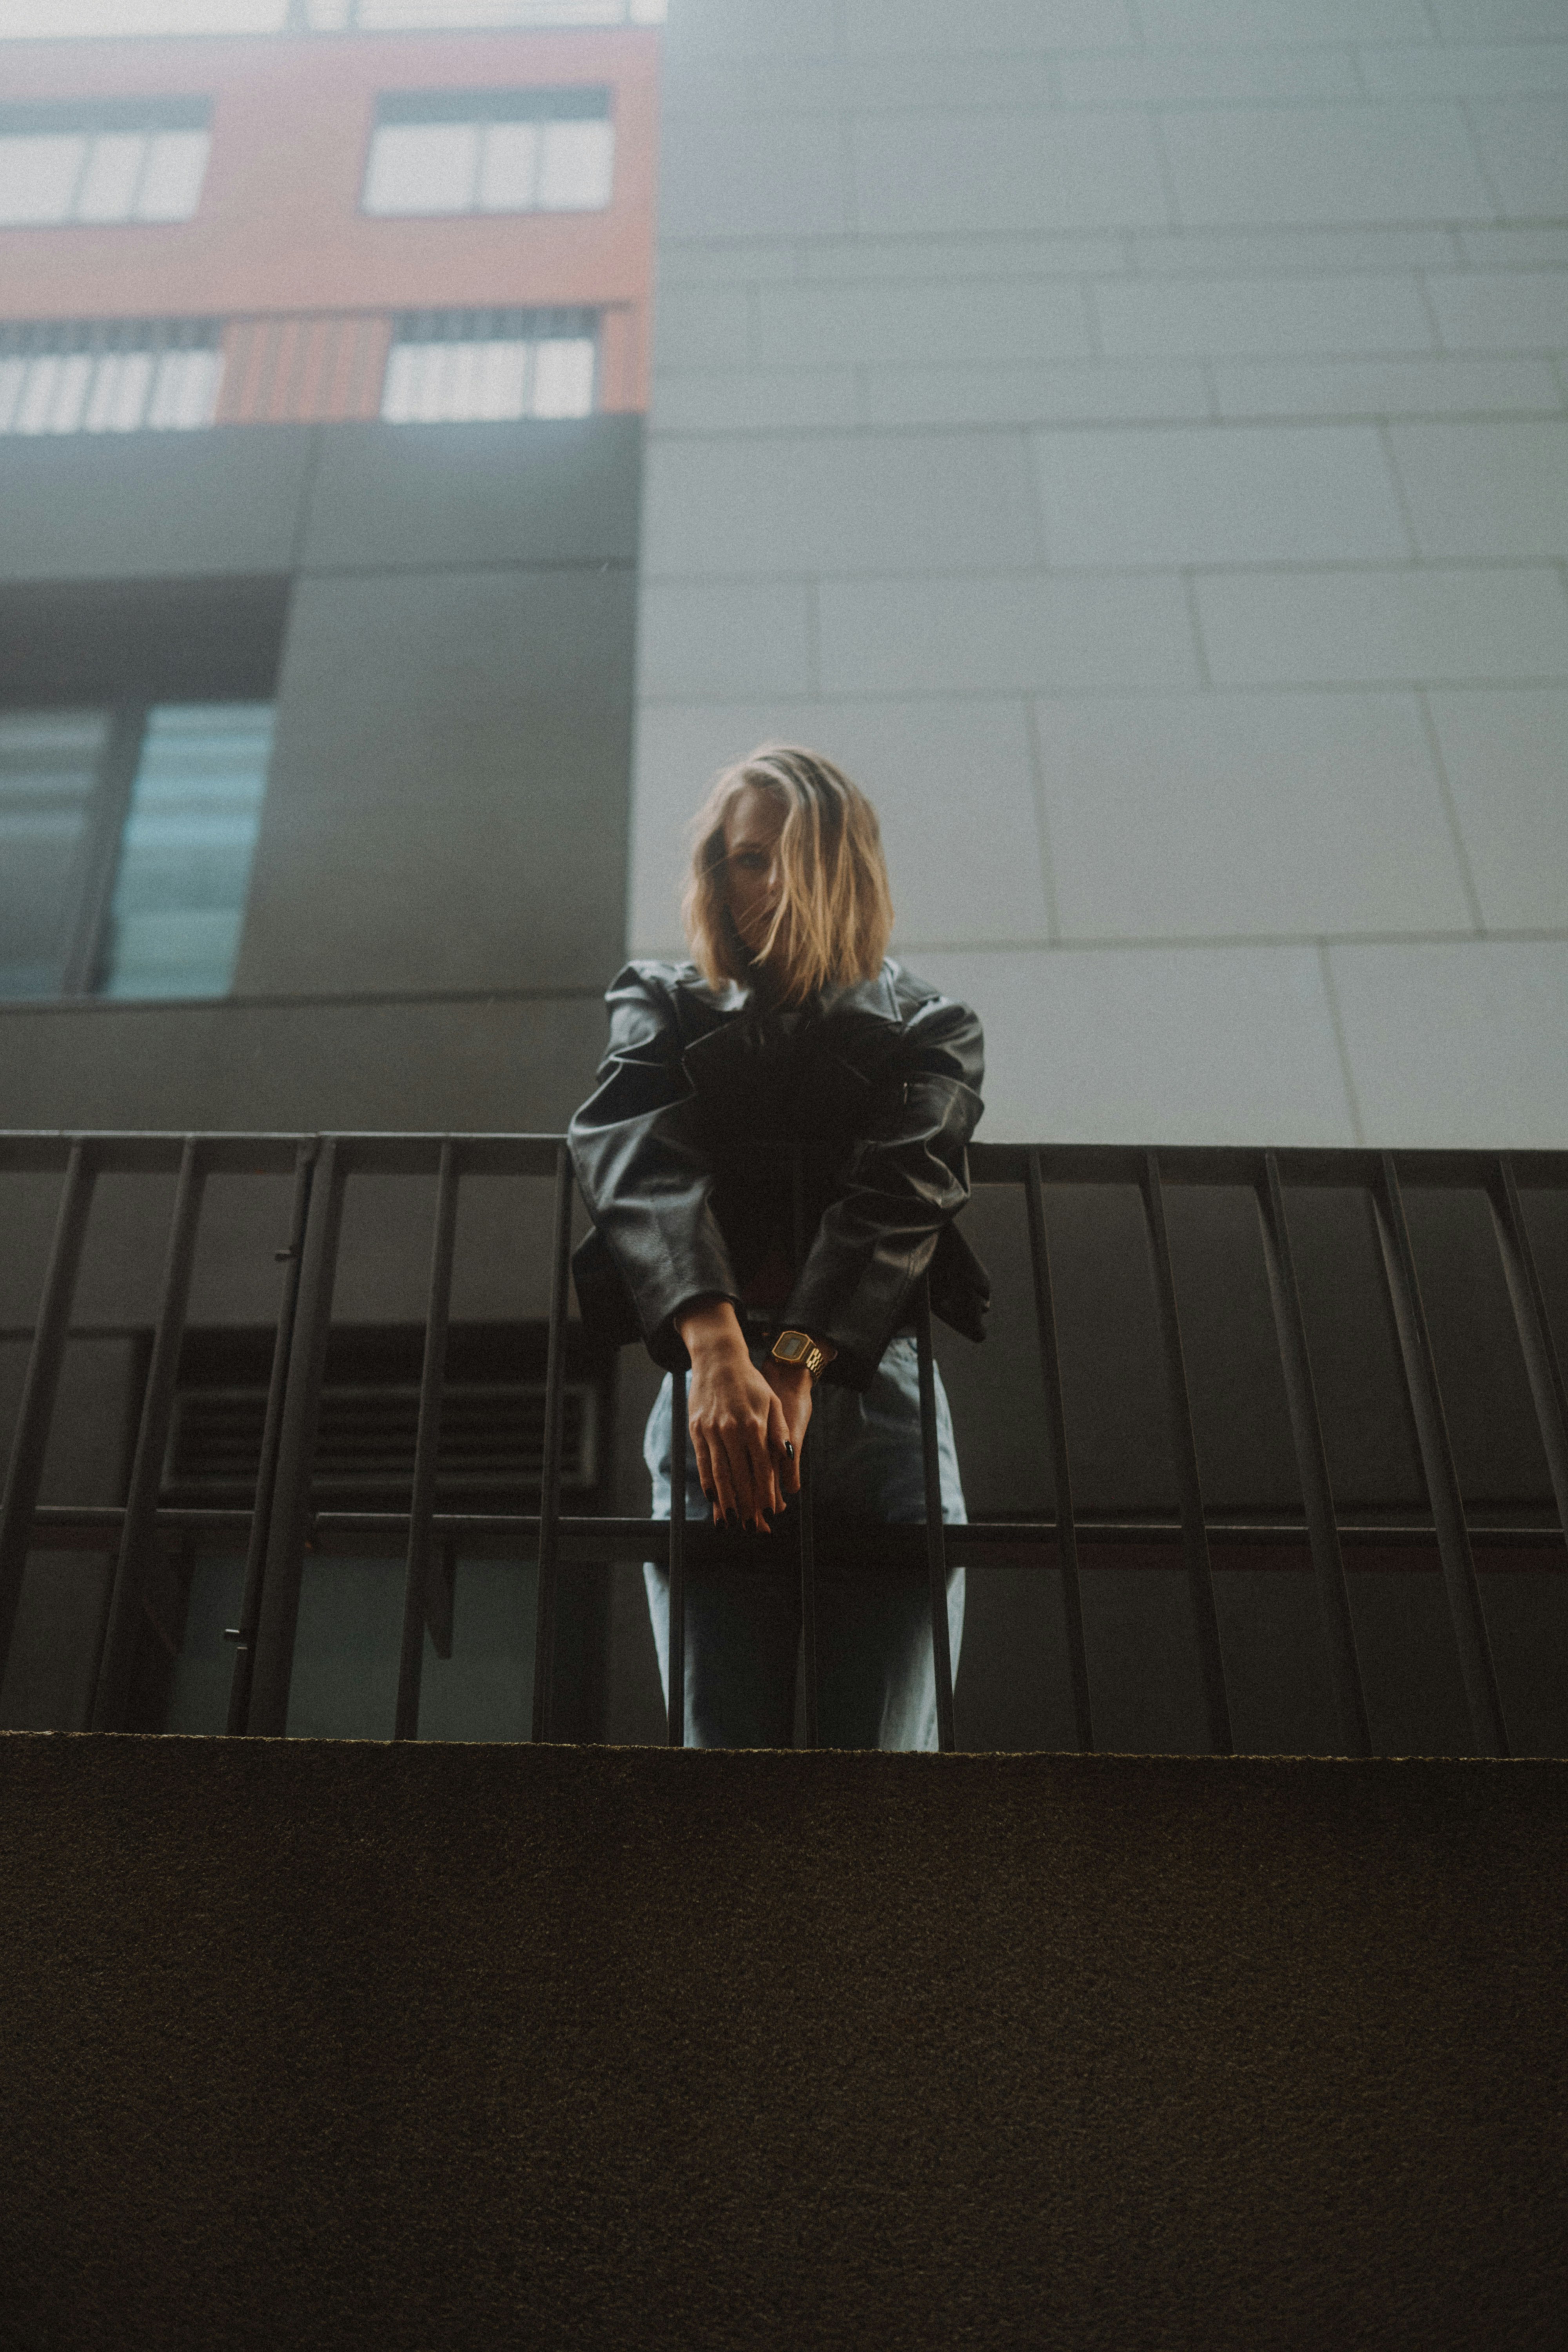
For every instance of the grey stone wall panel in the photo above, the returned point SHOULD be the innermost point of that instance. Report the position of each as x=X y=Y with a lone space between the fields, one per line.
x=447 y=808
x=410 y=496
x=1294 y=533
x=152 y=506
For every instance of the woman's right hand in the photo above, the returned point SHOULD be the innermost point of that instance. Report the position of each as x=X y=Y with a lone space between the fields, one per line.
x=737 y=1427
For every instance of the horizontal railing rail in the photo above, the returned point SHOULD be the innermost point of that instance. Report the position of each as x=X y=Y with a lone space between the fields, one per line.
x=285 y=1520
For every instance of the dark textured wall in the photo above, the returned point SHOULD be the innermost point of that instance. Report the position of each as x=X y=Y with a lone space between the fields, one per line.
x=153 y=506
x=447 y=2049
x=485 y=1064
x=449 y=613
x=447 y=805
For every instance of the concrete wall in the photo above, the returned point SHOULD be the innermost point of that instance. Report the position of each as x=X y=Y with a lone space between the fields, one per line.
x=516 y=2045
x=439 y=885
x=1131 y=435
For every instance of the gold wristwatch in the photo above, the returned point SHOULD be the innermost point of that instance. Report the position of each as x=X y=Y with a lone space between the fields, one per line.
x=800 y=1348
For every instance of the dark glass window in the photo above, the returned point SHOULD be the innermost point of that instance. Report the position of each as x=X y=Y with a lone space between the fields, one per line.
x=126 y=840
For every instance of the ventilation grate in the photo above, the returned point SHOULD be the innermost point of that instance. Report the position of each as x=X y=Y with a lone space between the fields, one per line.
x=492 y=1439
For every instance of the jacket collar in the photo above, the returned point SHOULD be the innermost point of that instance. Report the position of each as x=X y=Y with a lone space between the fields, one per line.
x=866 y=1000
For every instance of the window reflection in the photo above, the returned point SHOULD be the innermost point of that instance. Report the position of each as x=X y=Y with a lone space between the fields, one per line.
x=50 y=762
x=186 y=855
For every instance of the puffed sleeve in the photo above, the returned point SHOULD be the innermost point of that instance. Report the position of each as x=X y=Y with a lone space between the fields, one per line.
x=905 y=1179
x=644 y=1170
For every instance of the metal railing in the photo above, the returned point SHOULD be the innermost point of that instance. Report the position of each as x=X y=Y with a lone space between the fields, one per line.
x=284 y=1522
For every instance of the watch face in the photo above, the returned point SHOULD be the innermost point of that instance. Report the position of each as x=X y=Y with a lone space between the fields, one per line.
x=791 y=1346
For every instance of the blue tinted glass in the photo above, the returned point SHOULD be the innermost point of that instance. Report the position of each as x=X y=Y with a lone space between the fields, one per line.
x=50 y=766
x=185 y=860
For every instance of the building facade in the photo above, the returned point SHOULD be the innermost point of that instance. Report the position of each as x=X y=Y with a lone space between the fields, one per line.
x=1131 y=439
x=323 y=363
x=344 y=439
x=1130 y=434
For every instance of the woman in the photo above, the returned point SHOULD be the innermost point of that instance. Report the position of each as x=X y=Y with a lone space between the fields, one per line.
x=772 y=1158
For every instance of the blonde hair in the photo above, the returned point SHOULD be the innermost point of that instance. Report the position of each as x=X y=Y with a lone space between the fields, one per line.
x=835 y=913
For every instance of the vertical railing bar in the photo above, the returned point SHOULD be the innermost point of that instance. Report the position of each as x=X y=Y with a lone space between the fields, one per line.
x=554 y=1426
x=272 y=1433
x=427 y=1447
x=1437 y=1462
x=117 y=1659
x=37 y=1410
x=936 y=1532
x=804 y=1514
x=289 y=1530
x=1312 y=1465
x=1189 y=1486
x=676 y=1732
x=1061 y=1468
x=1534 y=1327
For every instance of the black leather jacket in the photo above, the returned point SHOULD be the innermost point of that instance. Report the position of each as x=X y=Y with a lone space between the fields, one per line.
x=686 y=1150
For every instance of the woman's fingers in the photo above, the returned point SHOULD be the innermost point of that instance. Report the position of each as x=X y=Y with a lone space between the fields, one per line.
x=724 y=1482
x=727 y=1473
x=733 y=1416
x=740 y=1453
x=760 y=1471
x=743 y=1469
x=788 y=1423
x=764 y=1469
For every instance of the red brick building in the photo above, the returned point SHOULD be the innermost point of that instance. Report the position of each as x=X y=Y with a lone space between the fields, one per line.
x=291 y=260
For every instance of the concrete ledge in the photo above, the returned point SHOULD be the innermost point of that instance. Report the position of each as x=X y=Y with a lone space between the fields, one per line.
x=419 y=2047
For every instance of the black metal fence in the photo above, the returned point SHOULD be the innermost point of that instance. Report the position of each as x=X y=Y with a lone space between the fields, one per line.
x=284 y=1521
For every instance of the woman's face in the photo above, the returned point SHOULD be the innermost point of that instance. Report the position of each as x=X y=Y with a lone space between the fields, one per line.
x=754 y=877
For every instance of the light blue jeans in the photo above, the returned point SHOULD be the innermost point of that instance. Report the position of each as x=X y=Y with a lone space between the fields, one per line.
x=876 y=1684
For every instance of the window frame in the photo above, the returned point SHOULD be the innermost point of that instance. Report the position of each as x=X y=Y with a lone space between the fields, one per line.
x=109 y=118
x=478 y=109
x=25 y=341
x=415 y=329
x=95 y=869
x=99 y=856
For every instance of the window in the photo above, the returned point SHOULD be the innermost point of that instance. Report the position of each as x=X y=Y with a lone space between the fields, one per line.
x=109 y=376
x=493 y=152
x=445 y=366
x=101 y=164
x=410 y=15
x=57 y=19
x=51 y=766
x=126 y=840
